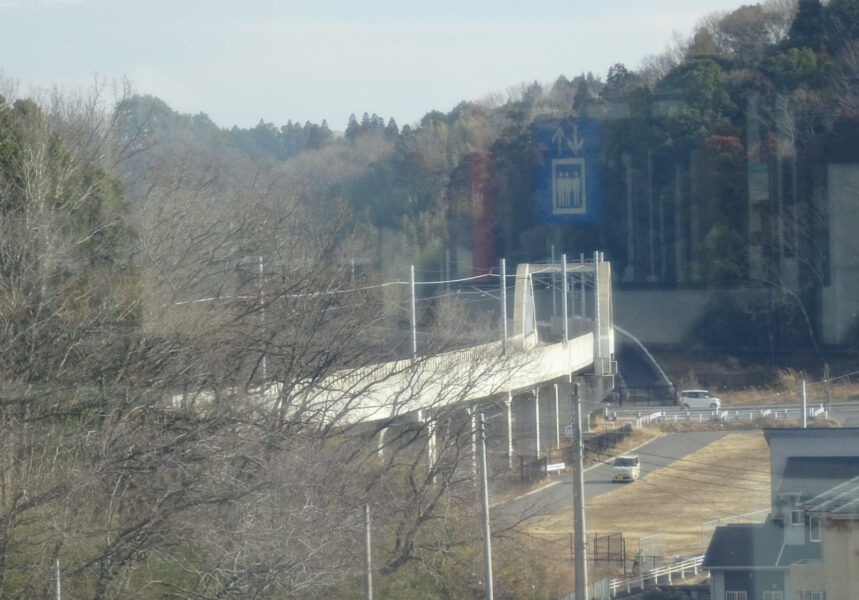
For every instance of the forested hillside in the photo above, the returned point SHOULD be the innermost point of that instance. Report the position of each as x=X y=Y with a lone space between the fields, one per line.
x=714 y=159
x=156 y=270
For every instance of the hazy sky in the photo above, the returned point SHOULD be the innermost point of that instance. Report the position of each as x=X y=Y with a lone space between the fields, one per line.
x=242 y=60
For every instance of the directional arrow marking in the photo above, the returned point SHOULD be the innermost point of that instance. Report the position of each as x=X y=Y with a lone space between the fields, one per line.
x=559 y=138
x=577 y=143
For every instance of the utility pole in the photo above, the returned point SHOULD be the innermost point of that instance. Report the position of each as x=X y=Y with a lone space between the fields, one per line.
x=504 y=305
x=581 y=562
x=554 y=285
x=262 y=322
x=804 y=404
x=368 y=557
x=487 y=541
x=447 y=269
x=59 y=593
x=564 y=300
x=597 y=321
x=582 y=281
x=414 y=314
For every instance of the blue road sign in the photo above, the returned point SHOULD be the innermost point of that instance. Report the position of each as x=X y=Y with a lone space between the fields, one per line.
x=569 y=179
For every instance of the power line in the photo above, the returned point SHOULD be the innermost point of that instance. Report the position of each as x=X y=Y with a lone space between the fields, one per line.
x=672 y=460
x=721 y=484
x=716 y=467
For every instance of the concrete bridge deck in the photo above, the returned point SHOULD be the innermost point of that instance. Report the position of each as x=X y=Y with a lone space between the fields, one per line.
x=521 y=379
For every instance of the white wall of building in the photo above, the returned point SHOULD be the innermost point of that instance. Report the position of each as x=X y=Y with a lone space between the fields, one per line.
x=841 y=296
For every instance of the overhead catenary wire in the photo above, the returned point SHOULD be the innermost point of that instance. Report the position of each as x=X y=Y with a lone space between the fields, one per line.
x=386 y=284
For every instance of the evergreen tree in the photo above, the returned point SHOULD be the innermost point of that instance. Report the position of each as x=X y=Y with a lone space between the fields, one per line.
x=561 y=95
x=806 y=31
x=583 y=98
x=619 y=81
x=352 y=128
x=325 y=133
x=391 y=130
x=841 y=23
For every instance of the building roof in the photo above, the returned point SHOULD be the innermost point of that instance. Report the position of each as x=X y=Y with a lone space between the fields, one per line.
x=744 y=545
x=839 y=501
x=791 y=554
x=772 y=432
x=755 y=545
x=809 y=476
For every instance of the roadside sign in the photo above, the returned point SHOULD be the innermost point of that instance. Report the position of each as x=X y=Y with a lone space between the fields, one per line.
x=555 y=467
x=569 y=178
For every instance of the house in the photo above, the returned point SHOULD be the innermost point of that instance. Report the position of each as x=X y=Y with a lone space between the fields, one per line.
x=807 y=547
x=835 y=515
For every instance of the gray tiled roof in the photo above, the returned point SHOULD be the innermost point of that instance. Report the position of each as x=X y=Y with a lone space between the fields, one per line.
x=744 y=545
x=797 y=553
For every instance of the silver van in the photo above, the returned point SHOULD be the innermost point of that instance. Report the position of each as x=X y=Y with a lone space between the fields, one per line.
x=701 y=399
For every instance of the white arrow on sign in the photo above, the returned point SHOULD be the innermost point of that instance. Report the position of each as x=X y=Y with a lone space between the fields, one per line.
x=559 y=138
x=577 y=143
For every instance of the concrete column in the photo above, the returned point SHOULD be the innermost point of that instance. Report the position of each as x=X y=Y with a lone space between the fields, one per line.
x=380 y=443
x=509 y=405
x=431 y=433
x=472 y=415
x=565 y=415
x=582 y=283
x=537 y=421
x=557 y=418
x=431 y=444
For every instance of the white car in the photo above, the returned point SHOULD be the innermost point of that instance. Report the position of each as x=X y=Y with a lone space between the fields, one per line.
x=700 y=399
x=626 y=468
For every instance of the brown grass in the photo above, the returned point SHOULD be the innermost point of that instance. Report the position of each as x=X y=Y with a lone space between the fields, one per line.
x=728 y=477
x=787 y=392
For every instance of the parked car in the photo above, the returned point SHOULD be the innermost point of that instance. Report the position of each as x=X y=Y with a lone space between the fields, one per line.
x=626 y=467
x=701 y=399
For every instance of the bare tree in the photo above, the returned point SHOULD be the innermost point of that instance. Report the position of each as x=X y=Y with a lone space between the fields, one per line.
x=193 y=388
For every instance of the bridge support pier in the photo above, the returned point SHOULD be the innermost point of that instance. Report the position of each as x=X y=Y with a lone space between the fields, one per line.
x=472 y=415
x=548 y=422
x=557 y=417
x=564 y=390
x=509 y=405
x=537 y=422
x=593 y=389
x=380 y=442
x=430 y=427
x=432 y=440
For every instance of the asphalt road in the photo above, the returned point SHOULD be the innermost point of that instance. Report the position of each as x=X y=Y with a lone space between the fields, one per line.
x=598 y=479
x=846 y=413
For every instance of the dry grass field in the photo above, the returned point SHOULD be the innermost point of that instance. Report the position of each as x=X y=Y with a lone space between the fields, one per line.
x=738 y=381
x=728 y=477
x=786 y=391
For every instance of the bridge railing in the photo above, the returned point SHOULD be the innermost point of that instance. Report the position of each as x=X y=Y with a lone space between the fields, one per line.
x=666 y=574
x=748 y=415
x=647 y=419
